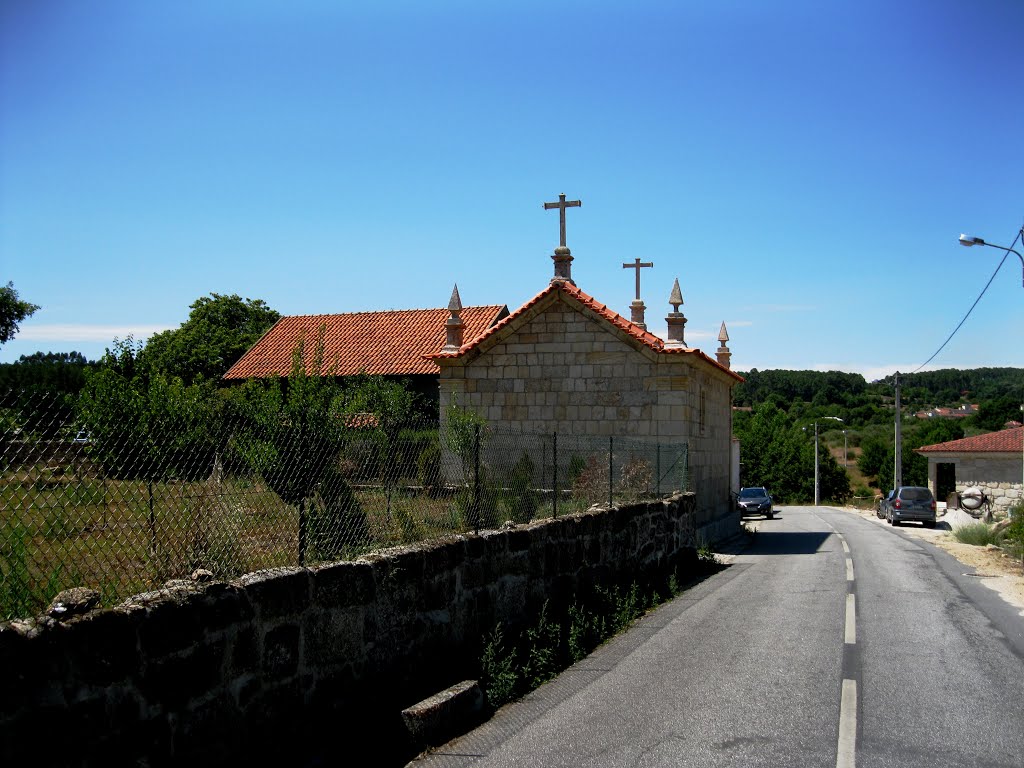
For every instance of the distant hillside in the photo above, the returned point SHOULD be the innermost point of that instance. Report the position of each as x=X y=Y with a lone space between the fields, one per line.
x=947 y=387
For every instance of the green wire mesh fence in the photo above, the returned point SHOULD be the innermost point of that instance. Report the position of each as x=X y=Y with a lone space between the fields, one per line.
x=124 y=504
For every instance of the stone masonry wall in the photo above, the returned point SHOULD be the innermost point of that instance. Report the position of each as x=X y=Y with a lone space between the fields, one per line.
x=566 y=371
x=257 y=670
x=1000 y=479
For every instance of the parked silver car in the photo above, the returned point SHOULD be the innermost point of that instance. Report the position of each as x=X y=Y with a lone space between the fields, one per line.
x=909 y=502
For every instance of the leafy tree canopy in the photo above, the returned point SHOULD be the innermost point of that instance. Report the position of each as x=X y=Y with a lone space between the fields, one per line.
x=12 y=311
x=219 y=330
x=779 y=455
x=993 y=414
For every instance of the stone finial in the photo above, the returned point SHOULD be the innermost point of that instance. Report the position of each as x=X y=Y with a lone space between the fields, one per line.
x=723 y=355
x=454 y=326
x=636 y=313
x=676 y=297
x=675 y=319
x=563 y=265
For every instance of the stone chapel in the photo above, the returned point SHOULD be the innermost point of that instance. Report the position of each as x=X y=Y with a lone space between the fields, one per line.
x=565 y=362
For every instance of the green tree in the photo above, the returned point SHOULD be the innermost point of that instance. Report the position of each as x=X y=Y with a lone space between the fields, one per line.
x=219 y=330
x=294 y=434
x=873 y=456
x=993 y=414
x=12 y=311
x=154 y=427
x=779 y=455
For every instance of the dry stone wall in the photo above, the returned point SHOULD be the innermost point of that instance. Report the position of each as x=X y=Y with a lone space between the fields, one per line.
x=264 y=669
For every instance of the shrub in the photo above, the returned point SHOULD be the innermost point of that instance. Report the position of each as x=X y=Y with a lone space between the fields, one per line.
x=478 y=506
x=978 y=534
x=591 y=482
x=498 y=670
x=522 y=500
x=335 y=519
x=636 y=478
x=428 y=468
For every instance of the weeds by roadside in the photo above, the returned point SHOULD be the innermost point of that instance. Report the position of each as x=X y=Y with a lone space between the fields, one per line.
x=509 y=671
x=1008 y=535
x=978 y=534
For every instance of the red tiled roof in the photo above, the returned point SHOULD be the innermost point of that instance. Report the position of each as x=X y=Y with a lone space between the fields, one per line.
x=589 y=302
x=385 y=343
x=1003 y=441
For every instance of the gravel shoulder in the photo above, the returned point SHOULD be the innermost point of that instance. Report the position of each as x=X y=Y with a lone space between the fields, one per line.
x=998 y=571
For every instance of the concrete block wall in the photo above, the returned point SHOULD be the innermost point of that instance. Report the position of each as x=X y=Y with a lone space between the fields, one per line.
x=255 y=671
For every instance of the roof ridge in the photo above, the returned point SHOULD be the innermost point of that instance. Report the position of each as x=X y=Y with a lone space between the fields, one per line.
x=387 y=311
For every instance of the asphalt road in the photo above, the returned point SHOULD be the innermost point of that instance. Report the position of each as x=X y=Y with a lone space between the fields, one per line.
x=829 y=641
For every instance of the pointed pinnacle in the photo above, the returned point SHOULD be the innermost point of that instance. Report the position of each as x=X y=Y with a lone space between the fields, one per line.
x=677 y=296
x=455 y=303
x=723 y=335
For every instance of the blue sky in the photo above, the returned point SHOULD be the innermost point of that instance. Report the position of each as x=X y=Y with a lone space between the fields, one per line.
x=803 y=168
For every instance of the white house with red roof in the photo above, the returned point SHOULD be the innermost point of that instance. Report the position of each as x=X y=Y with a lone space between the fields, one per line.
x=993 y=462
x=566 y=363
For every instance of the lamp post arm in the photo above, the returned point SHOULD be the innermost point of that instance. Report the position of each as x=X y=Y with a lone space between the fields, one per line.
x=1010 y=250
x=1021 y=265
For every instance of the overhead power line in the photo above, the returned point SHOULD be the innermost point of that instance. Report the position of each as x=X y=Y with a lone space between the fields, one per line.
x=983 y=290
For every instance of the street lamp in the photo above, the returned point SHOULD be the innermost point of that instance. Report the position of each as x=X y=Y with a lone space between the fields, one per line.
x=817 y=492
x=969 y=241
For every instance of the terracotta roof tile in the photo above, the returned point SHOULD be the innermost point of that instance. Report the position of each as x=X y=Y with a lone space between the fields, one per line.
x=386 y=343
x=1003 y=441
x=647 y=338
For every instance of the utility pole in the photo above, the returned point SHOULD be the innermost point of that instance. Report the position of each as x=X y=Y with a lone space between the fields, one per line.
x=897 y=475
x=816 y=491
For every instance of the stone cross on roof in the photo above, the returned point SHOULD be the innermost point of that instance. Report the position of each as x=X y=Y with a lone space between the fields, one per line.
x=561 y=205
x=637 y=265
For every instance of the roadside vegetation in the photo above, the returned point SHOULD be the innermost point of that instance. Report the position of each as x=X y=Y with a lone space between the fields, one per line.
x=777 y=410
x=511 y=667
x=1006 y=534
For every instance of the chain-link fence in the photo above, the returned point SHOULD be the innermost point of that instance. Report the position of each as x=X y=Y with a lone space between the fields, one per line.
x=124 y=503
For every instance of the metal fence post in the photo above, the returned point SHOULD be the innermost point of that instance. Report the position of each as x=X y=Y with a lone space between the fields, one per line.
x=554 y=474
x=152 y=521
x=657 y=470
x=302 y=532
x=476 y=477
x=611 y=454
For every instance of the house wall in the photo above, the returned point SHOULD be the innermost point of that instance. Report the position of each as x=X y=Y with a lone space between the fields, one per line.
x=263 y=669
x=999 y=476
x=566 y=371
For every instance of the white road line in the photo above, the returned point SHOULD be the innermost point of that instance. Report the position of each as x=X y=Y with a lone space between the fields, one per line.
x=846 y=547
x=851 y=621
x=846 y=754
x=849 y=569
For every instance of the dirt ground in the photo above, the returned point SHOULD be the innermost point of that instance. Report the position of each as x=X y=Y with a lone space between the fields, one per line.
x=994 y=569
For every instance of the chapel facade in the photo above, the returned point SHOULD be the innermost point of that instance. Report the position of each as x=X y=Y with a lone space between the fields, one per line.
x=566 y=363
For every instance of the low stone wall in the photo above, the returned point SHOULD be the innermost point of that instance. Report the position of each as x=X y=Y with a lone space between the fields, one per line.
x=283 y=664
x=1001 y=495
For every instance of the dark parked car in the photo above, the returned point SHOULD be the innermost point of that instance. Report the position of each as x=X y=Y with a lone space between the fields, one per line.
x=883 y=503
x=909 y=502
x=755 y=501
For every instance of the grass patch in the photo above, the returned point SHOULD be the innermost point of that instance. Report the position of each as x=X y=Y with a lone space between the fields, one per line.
x=978 y=534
